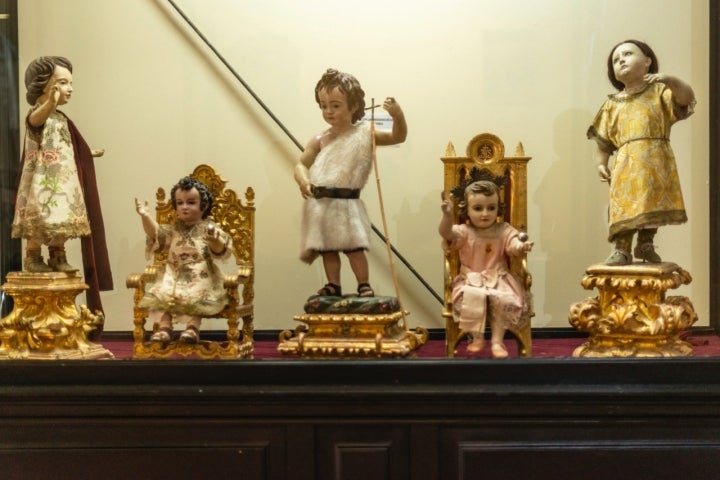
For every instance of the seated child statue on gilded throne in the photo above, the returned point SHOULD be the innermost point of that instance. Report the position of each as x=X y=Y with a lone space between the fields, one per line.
x=484 y=215
x=202 y=224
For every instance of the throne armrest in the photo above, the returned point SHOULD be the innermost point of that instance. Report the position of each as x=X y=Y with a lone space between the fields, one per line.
x=133 y=280
x=526 y=276
x=244 y=276
x=138 y=280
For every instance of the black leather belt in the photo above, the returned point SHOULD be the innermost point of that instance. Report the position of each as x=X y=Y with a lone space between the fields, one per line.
x=332 y=192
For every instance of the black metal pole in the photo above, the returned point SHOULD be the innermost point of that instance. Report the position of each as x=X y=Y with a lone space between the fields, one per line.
x=236 y=75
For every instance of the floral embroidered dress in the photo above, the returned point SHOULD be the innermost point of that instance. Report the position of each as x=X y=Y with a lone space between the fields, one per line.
x=338 y=224
x=192 y=284
x=645 y=188
x=485 y=286
x=49 y=201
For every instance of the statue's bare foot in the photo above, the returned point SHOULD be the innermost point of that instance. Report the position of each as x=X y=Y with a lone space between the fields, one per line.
x=475 y=345
x=498 y=350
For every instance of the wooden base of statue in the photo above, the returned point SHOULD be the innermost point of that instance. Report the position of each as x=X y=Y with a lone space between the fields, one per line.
x=45 y=324
x=352 y=327
x=632 y=317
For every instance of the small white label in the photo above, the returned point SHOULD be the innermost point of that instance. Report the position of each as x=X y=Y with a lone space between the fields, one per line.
x=382 y=122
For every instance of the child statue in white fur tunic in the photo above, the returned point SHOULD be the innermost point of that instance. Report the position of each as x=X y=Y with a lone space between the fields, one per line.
x=331 y=172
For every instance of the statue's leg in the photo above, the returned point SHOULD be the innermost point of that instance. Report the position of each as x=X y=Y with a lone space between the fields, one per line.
x=621 y=255
x=58 y=259
x=645 y=249
x=34 y=262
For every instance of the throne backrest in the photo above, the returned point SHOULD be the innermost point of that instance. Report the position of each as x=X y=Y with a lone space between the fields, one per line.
x=229 y=213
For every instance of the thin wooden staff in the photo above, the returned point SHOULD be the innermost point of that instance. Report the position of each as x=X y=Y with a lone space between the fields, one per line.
x=382 y=212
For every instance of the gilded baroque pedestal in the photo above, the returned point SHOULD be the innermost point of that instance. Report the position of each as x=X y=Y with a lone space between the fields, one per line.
x=352 y=327
x=45 y=324
x=631 y=316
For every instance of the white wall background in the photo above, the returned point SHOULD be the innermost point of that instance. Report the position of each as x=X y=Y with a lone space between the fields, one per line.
x=150 y=93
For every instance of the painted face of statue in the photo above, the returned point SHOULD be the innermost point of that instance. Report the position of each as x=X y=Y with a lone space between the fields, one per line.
x=482 y=210
x=629 y=63
x=188 y=208
x=334 y=107
x=61 y=82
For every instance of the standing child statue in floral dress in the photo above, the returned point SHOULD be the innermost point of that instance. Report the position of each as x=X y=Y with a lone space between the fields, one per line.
x=57 y=196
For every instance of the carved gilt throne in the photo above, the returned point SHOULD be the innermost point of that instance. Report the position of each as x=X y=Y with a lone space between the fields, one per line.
x=238 y=221
x=486 y=152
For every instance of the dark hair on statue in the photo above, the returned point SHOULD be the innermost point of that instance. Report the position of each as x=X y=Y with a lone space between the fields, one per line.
x=38 y=73
x=188 y=183
x=644 y=48
x=482 y=187
x=347 y=84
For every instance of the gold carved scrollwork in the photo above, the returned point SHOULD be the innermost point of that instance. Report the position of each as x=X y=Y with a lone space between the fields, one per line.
x=45 y=324
x=631 y=316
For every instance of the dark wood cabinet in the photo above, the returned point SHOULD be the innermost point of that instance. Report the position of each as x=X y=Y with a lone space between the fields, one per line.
x=398 y=419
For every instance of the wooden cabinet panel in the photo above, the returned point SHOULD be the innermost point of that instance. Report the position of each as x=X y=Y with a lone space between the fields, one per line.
x=567 y=452
x=246 y=461
x=349 y=452
x=137 y=450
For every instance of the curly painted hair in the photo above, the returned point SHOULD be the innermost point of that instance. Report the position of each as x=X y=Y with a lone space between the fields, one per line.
x=347 y=84
x=483 y=187
x=644 y=48
x=38 y=73
x=188 y=183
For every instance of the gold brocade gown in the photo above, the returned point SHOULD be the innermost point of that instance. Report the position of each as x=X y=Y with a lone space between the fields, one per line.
x=645 y=188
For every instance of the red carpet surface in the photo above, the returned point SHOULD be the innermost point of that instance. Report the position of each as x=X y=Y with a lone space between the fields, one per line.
x=703 y=346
